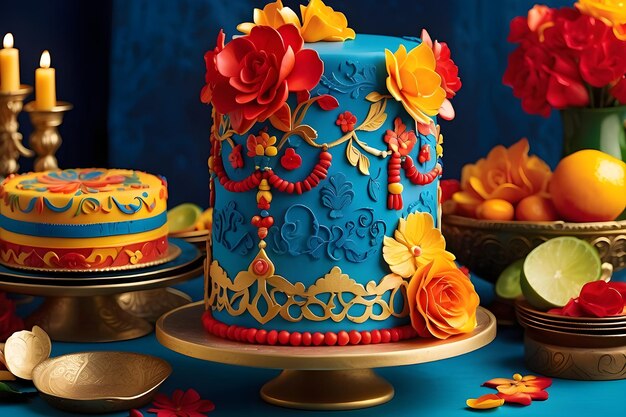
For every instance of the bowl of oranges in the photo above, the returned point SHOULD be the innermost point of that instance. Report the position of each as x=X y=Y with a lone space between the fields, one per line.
x=510 y=202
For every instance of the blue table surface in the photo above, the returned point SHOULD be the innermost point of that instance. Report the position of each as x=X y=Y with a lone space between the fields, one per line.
x=431 y=389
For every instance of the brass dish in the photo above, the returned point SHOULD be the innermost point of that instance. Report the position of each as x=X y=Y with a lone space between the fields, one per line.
x=308 y=370
x=487 y=247
x=100 y=382
x=619 y=329
x=578 y=321
x=590 y=363
x=173 y=251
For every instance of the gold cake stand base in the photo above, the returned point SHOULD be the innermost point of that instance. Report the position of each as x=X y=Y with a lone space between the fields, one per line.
x=85 y=308
x=320 y=377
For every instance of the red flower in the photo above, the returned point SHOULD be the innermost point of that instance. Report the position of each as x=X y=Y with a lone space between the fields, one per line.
x=187 y=404
x=235 y=158
x=212 y=75
x=521 y=390
x=346 y=121
x=447 y=70
x=596 y=299
x=9 y=321
x=251 y=77
x=399 y=139
x=527 y=76
x=291 y=160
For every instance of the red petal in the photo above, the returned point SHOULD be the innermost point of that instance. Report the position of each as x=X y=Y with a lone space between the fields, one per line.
x=267 y=39
x=327 y=102
x=287 y=65
x=539 y=395
x=306 y=72
x=228 y=60
x=598 y=299
x=135 y=413
x=291 y=37
x=191 y=396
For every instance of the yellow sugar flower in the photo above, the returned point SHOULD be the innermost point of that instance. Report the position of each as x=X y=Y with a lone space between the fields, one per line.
x=611 y=12
x=273 y=14
x=415 y=243
x=414 y=82
x=322 y=23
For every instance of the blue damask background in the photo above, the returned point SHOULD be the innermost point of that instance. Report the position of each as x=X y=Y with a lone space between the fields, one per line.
x=145 y=89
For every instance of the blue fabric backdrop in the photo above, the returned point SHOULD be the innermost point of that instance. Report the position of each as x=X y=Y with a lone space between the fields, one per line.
x=157 y=123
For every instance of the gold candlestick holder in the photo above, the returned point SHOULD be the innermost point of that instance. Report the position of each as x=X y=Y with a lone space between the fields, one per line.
x=45 y=139
x=11 y=147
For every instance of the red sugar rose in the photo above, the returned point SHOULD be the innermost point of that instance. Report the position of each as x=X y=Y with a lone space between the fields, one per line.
x=250 y=78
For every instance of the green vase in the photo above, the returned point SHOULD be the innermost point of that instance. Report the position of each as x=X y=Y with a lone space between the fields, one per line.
x=601 y=129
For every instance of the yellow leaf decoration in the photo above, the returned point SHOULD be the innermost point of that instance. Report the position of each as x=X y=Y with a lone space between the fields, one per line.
x=353 y=154
x=364 y=165
x=374 y=97
x=375 y=117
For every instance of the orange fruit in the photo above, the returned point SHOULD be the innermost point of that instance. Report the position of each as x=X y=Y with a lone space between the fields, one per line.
x=589 y=186
x=495 y=209
x=536 y=208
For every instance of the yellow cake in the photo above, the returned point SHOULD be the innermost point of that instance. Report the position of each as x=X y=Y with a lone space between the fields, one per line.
x=82 y=219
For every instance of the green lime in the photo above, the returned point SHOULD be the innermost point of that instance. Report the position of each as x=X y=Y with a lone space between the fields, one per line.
x=556 y=270
x=507 y=285
x=183 y=217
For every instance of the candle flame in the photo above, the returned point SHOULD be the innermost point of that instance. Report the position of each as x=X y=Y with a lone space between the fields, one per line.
x=7 y=42
x=44 y=62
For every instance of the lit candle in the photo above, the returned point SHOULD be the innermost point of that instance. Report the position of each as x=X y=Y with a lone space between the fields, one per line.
x=9 y=65
x=45 y=87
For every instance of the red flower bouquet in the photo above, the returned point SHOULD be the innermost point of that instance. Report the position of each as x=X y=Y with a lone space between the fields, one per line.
x=565 y=58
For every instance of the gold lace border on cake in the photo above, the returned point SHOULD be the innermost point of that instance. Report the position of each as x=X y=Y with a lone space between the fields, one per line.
x=264 y=295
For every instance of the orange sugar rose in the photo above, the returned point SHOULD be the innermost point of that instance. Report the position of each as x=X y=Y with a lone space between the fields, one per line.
x=508 y=174
x=442 y=300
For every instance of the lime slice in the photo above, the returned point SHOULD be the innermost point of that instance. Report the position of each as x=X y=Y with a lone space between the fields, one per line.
x=183 y=217
x=508 y=283
x=556 y=270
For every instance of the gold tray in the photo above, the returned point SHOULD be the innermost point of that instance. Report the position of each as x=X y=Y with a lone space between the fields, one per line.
x=173 y=251
x=317 y=377
x=87 y=310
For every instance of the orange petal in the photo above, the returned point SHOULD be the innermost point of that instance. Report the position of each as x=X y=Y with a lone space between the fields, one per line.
x=485 y=402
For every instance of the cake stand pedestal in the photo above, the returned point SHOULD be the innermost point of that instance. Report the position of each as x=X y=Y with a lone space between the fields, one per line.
x=83 y=307
x=317 y=377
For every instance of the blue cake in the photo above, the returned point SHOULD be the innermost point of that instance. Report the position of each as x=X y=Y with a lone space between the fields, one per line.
x=322 y=153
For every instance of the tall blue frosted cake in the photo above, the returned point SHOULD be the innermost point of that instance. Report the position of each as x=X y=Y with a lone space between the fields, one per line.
x=325 y=164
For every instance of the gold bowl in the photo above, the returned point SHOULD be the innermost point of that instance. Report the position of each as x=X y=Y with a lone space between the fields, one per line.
x=100 y=382
x=487 y=247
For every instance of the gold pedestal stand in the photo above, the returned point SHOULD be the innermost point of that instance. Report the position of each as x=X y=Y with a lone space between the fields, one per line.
x=84 y=308
x=45 y=139
x=320 y=377
x=11 y=147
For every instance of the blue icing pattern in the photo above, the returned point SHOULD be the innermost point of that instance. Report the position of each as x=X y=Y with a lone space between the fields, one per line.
x=373 y=186
x=229 y=230
x=302 y=234
x=337 y=194
x=354 y=79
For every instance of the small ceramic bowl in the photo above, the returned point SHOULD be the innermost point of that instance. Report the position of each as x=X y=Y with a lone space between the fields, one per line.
x=100 y=382
x=486 y=247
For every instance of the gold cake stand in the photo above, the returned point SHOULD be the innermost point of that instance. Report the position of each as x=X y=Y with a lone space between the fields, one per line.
x=317 y=378
x=83 y=307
